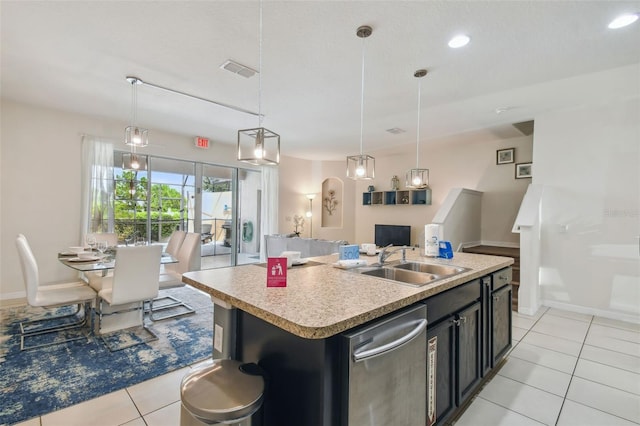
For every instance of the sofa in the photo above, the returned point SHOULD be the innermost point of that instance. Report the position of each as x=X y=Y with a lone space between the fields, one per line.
x=308 y=247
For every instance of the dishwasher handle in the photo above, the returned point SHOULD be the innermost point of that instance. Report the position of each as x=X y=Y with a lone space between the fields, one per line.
x=371 y=353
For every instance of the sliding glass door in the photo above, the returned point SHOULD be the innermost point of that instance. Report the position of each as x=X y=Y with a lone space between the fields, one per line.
x=220 y=203
x=217 y=216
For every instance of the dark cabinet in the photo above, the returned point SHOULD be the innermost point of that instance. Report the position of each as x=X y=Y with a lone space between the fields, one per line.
x=455 y=328
x=441 y=400
x=468 y=351
x=501 y=323
x=470 y=329
x=496 y=316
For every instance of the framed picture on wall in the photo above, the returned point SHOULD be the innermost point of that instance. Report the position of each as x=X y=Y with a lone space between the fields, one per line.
x=505 y=156
x=523 y=170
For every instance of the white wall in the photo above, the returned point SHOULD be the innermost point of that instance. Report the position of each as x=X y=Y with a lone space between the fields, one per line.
x=40 y=182
x=300 y=177
x=463 y=161
x=588 y=159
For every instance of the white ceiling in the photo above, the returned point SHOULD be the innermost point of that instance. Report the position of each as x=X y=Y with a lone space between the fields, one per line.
x=74 y=55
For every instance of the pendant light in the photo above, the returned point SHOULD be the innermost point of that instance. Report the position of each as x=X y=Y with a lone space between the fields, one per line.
x=259 y=146
x=418 y=178
x=134 y=136
x=361 y=166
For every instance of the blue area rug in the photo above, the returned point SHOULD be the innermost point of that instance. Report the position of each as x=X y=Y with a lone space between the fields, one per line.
x=42 y=380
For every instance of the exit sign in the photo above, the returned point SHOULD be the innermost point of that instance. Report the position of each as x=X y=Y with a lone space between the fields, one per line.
x=201 y=142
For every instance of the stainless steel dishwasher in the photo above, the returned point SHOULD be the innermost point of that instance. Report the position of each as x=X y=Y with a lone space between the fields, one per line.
x=385 y=371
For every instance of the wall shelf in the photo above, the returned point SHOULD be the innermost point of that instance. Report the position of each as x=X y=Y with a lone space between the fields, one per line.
x=394 y=198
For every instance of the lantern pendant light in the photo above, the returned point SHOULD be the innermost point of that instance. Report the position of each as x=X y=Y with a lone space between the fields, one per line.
x=135 y=136
x=259 y=146
x=361 y=166
x=418 y=178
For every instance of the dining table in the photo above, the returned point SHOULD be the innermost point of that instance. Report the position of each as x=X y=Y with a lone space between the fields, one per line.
x=103 y=262
x=100 y=261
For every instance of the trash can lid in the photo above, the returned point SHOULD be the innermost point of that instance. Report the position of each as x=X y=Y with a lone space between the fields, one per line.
x=220 y=391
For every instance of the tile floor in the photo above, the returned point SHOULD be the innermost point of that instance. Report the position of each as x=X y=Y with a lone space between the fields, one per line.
x=564 y=369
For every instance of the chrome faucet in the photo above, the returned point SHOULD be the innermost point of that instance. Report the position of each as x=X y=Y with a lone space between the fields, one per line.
x=384 y=254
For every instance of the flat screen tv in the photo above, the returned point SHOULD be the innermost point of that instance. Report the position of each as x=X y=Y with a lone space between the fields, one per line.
x=397 y=235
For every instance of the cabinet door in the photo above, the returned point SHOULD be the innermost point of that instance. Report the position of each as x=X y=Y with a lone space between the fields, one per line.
x=487 y=317
x=501 y=319
x=444 y=395
x=469 y=354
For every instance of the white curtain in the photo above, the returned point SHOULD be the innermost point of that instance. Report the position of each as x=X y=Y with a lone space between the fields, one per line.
x=269 y=207
x=97 y=186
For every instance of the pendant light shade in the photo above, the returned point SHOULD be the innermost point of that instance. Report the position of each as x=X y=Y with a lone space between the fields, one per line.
x=259 y=146
x=361 y=166
x=133 y=161
x=134 y=135
x=418 y=178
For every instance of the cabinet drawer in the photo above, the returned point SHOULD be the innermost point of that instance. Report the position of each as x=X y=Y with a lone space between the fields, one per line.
x=501 y=278
x=451 y=301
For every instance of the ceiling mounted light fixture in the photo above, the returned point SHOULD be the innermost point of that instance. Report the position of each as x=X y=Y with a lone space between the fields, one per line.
x=623 y=20
x=361 y=166
x=459 y=41
x=259 y=146
x=134 y=135
x=418 y=178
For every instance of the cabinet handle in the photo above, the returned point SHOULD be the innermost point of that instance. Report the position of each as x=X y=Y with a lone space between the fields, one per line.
x=463 y=319
x=456 y=322
x=495 y=298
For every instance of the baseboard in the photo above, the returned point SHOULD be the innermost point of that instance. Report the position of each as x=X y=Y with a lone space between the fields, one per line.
x=13 y=299
x=462 y=246
x=635 y=319
x=499 y=244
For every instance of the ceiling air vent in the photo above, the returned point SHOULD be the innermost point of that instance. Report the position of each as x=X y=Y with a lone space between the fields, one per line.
x=239 y=69
x=396 y=130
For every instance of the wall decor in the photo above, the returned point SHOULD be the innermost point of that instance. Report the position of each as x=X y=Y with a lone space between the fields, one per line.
x=332 y=192
x=523 y=170
x=505 y=156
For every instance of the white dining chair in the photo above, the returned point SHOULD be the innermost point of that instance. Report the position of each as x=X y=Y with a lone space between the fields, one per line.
x=188 y=260
x=175 y=241
x=135 y=279
x=52 y=296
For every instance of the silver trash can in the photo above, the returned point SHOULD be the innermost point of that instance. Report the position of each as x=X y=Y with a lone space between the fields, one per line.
x=223 y=391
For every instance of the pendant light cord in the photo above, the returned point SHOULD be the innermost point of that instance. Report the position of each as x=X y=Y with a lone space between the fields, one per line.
x=134 y=104
x=260 y=68
x=134 y=111
x=362 y=99
x=418 y=130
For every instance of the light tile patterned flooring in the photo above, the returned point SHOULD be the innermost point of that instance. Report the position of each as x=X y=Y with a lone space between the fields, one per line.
x=564 y=369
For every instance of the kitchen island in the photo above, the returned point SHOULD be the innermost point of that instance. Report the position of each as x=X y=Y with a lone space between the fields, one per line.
x=294 y=332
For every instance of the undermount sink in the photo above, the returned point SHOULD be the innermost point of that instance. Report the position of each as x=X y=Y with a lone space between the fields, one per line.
x=430 y=268
x=415 y=274
x=402 y=275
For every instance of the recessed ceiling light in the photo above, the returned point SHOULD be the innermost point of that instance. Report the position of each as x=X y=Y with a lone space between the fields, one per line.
x=459 y=41
x=623 y=21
